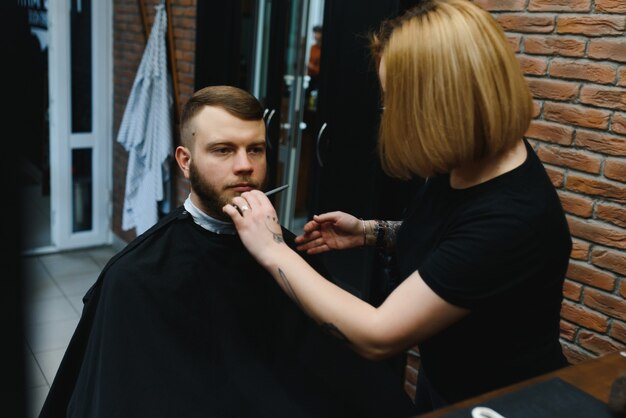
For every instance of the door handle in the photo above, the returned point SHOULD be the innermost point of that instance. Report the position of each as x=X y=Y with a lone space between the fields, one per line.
x=268 y=115
x=317 y=147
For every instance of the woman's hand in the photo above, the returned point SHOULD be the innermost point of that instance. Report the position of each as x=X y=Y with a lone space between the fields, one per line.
x=257 y=224
x=331 y=231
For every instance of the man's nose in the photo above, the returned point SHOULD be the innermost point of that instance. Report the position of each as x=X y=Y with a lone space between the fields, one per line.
x=242 y=162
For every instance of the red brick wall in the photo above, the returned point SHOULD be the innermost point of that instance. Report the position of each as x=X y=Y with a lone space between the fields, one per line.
x=128 y=45
x=573 y=53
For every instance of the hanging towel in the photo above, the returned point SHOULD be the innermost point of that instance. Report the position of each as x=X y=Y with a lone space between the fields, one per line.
x=146 y=133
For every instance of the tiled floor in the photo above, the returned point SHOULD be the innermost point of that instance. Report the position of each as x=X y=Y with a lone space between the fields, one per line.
x=54 y=287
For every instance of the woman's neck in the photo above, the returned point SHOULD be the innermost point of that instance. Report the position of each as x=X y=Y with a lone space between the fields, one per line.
x=488 y=168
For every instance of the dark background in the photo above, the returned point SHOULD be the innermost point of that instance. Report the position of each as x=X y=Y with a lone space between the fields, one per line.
x=13 y=30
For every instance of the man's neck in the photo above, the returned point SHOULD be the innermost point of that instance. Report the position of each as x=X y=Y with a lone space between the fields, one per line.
x=206 y=221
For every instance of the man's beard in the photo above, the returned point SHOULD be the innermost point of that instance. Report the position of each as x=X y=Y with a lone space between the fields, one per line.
x=212 y=199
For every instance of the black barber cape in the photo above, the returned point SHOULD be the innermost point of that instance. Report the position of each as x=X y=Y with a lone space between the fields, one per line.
x=184 y=323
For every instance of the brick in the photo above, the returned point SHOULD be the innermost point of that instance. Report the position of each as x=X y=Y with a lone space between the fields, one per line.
x=576 y=115
x=580 y=249
x=610 y=260
x=618 y=331
x=186 y=2
x=622 y=289
x=183 y=33
x=608 y=97
x=572 y=290
x=536 y=109
x=409 y=390
x=526 y=23
x=554 y=45
x=550 y=132
x=618 y=123
x=596 y=187
x=413 y=361
x=568 y=331
x=601 y=142
x=515 y=41
x=622 y=77
x=610 y=6
x=583 y=70
x=611 y=305
x=570 y=158
x=591 y=25
x=189 y=24
x=410 y=375
x=559 y=5
x=575 y=354
x=533 y=65
x=576 y=204
x=584 y=317
x=552 y=89
x=557 y=176
x=615 y=170
x=597 y=232
x=611 y=213
x=502 y=5
x=185 y=45
x=610 y=49
x=597 y=344
x=589 y=275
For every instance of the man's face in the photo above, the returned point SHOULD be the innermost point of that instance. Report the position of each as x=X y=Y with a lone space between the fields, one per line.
x=226 y=159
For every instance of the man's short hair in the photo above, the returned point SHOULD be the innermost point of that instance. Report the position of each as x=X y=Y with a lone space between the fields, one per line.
x=454 y=89
x=317 y=28
x=233 y=100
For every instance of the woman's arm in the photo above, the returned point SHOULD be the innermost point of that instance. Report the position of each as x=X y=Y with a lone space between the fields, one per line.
x=410 y=314
x=339 y=230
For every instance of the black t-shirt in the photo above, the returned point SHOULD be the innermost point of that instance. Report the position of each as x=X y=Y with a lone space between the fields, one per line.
x=499 y=249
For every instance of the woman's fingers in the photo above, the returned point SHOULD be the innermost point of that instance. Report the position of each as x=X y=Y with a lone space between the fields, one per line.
x=318 y=242
x=328 y=217
x=231 y=211
x=308 y=236
x=242 y=205
x=311 y=226
x=318 y=250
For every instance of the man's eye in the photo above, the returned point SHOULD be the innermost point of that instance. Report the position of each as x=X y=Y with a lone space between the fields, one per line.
x=221 y=151
x=257 y=150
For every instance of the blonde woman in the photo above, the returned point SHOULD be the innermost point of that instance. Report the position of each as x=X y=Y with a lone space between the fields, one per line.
x=484 y=247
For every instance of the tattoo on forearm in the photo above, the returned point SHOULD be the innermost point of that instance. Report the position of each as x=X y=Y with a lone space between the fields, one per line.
x=288 y=288
x=331 y=329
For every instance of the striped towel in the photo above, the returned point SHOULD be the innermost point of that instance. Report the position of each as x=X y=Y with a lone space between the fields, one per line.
x=146 y=133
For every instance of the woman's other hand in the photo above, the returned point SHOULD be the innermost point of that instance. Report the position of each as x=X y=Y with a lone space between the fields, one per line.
x=331 y=231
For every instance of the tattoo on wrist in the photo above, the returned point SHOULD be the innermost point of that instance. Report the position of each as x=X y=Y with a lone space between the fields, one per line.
x=386 y=233
x=288 y=288
x=331 y=329
x=278 y=236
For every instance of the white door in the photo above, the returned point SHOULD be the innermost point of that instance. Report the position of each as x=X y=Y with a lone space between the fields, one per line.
x=80 y=121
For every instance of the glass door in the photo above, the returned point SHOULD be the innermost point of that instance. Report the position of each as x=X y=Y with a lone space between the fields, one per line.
x=285 y=87
x=80 y=122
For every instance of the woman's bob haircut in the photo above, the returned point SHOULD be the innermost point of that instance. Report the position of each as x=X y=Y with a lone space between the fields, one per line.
x=454 y=92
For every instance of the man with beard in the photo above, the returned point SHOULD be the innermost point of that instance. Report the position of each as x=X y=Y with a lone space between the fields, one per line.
x=184 y=323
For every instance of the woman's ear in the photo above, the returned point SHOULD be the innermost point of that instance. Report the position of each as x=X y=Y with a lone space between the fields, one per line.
x=183 y=158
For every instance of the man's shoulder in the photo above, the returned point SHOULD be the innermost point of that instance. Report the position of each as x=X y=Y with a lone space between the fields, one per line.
x=168 y=221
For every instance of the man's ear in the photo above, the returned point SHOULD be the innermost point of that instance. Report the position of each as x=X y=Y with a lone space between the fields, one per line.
x=183 y=158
